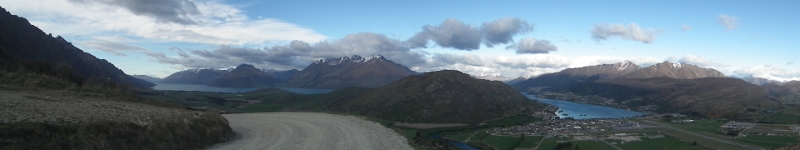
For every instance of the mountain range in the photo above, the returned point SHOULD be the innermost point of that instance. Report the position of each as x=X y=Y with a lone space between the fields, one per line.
x=337 y=73
x=329 y=73
x=674 y=70
x=194 y=76
x=244 y=76
x=672 y=87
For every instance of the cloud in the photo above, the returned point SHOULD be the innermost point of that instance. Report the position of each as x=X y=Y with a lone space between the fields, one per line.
x=455 y=34
x=502 y=30
x=210 y=22
x=450 y=33
x=174 y=11
x=452 y=59
x=699 y=61
x=630 y=32
x=770 y=72
x=113 y=45
x=296 y=54
x=532 y=46
x=730 y=22
x=685 y=27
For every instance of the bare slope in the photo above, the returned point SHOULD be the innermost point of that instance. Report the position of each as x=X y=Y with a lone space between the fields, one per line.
x=292 y=130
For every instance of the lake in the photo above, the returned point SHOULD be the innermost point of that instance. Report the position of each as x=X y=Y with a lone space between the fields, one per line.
x=205 y=88
x=585 y=111
x=574 y=110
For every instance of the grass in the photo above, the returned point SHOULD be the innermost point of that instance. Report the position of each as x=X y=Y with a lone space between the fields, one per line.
x=548 y=144
x=409 y=134
x=665 y=143
x=593 y=145
x=688 y=137
x=702 y=125
x=700 y=141
x=530 y=141
x=501 y=142
x=769 y=141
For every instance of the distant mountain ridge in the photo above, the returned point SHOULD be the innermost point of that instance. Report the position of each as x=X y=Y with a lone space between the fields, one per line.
x=336 y=73
x=194 y=76
x=604 y=70
x=244 y=76
x=674 y=87
x=709 y=97
x=674 y=70
x=572 y=77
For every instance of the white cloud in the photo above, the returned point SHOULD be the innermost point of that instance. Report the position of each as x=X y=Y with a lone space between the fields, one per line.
x=630 y=32
x=213 y=23
x=730 y=22
x=770 y=72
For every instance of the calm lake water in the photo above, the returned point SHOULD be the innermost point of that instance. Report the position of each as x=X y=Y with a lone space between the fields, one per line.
x=204 y=88
x=586 y=111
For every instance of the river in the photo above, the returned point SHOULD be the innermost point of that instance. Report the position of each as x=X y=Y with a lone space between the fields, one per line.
x=205 y=88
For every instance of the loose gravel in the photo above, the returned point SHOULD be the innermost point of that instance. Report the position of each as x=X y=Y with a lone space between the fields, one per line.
x=308 y=131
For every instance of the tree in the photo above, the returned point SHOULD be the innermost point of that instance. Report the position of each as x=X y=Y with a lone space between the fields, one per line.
x=694 y=143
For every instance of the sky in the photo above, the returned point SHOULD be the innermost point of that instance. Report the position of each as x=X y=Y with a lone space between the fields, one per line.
x=505 y=38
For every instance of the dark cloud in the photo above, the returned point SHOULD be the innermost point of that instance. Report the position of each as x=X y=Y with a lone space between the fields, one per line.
x=532 y=46
x=297 y=54
x=113 y=47
x=173 y=11
x=630 y=32
x=451 y=33
x=455 y=34
x=501 y=31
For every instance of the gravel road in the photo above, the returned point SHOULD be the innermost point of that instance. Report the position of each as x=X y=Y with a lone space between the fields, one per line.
x=308 y=131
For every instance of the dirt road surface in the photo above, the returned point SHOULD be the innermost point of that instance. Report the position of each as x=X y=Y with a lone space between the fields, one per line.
x=308 y=131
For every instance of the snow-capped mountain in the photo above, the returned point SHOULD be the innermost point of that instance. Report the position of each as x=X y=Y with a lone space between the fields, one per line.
x=351 y=59
x=335 y=73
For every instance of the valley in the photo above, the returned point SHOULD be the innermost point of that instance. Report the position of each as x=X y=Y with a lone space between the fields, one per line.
x=189 y=74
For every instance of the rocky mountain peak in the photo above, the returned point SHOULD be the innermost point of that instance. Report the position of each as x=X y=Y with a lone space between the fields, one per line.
x=351 y=59
x=626 y=65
